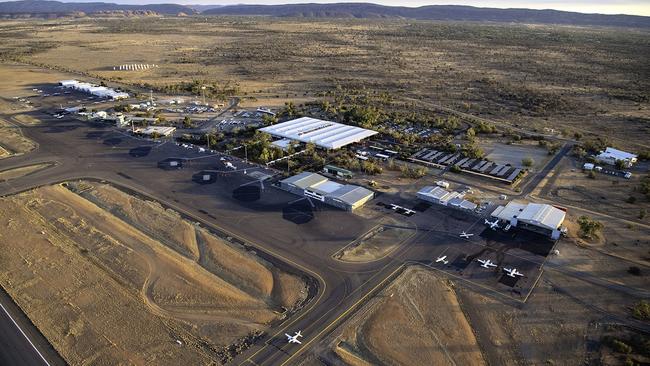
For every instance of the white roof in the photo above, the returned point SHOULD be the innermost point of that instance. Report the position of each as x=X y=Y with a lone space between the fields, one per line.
x=326 y=187
x=158 y=129
x=538 y=214
x=616 y=154
x=325 y=134
x=438 y=194
x=282 y=144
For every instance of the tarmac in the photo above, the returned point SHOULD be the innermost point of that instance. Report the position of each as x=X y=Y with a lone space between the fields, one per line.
x=296 y=233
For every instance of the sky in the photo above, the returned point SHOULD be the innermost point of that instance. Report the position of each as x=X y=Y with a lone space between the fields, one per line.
x=633 y=7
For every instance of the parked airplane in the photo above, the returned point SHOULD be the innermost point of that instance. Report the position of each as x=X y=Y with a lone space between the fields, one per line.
x=512 y=272
x=442 y=259
x=230 y=166
x=493 y=225
x=294 y=338
x=465 y=235
x=486 y=263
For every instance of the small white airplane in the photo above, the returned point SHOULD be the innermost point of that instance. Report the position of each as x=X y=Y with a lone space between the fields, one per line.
x=493 y=225
x=486 y=263
x=294 y=338
x=512 y=272
x=466 y=235
x=442 y=259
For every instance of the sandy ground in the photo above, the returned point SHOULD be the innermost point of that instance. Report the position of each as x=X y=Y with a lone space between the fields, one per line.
x=10 y=174
x=378 y=242
x=513 y=154
x=417 y=320
x=603 y=199
x=104 y=291
x=12 y=140
x=516 y=74
x=556 y=326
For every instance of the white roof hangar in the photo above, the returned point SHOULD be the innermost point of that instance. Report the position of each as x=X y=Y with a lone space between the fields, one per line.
x=534 y=216
x=345 y=196
x=324 y=134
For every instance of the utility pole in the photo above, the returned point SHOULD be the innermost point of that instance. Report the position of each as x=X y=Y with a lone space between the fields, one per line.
x=245 y=154
x=203 y=93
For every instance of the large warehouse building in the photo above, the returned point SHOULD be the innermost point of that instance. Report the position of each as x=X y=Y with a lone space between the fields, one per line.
x=324 y=134
x=541 y=218
x=98 y=91
x=344 y=196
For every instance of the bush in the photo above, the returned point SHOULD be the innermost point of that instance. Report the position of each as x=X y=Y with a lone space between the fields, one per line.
x=413 y=172
x=631 y=199
x=621 y=347
x=455 y=169
x=589 y=227
x=527 y=161
x=641 y=310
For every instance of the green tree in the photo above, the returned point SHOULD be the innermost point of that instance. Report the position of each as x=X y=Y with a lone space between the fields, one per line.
x=187 y=122
x=589 y=227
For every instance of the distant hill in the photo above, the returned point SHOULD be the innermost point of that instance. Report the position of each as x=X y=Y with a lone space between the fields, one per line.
x=40 y=7
x=432 y=12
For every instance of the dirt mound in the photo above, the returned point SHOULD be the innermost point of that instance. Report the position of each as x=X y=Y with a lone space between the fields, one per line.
x=104 y=291
x=417 y=320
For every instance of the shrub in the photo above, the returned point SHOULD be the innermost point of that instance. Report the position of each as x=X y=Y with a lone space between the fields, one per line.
x=588 y=226
x=621 y=347
x=527 y=161
x=641 y=310
x=455 y=169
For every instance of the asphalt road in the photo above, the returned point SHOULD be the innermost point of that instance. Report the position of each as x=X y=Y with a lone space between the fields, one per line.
x=83 y=150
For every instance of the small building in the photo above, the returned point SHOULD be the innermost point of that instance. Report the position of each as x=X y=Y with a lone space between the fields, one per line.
x=339 y=172
x=344 y=196
x=537 y=217
x=283 y=144
x=155 y=130
x=611 y=156
x=441 y=196
x=588 y=166
x=99 y=115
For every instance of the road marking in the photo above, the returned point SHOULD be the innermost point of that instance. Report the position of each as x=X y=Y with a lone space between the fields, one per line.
x=25 y=335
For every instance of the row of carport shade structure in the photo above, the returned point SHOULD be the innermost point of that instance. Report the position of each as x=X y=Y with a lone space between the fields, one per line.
x=486 y=168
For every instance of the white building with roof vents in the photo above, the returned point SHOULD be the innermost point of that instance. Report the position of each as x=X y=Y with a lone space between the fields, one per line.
x=324 y=134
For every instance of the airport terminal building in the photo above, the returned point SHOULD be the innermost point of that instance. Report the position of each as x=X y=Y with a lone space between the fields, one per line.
x=344 y=196
x=537 y=217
